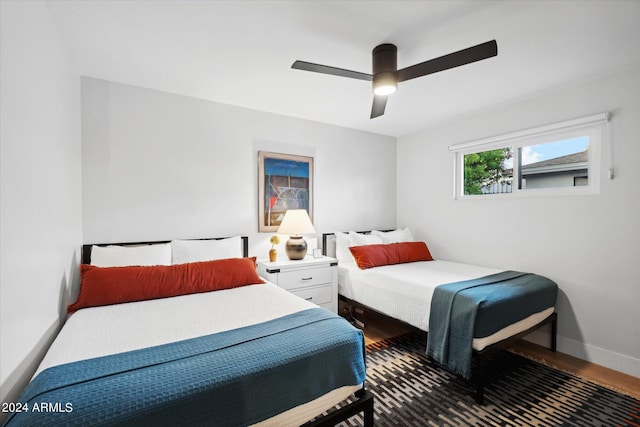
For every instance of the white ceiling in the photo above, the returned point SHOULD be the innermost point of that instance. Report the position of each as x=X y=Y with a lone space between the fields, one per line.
x=240 y=52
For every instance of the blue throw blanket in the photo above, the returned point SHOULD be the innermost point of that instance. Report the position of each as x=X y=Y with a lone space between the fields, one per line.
x=480 y=307
x=231 y=378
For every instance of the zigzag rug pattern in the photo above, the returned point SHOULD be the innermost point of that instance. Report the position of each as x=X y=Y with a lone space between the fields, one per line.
x=411 y=390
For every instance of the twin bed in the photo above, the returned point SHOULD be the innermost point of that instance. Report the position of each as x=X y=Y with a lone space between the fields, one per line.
x=469 y=311
x=221 y=348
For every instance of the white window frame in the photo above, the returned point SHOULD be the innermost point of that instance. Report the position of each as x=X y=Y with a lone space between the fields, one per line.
x=595 y=127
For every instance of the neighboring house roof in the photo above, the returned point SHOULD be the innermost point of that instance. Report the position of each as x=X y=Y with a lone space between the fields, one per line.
x=570 y=162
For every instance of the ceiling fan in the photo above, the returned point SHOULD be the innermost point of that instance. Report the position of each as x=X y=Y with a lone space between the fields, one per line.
x=386 y=76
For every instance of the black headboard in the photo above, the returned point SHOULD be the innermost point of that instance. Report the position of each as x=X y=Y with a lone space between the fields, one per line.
x=326 y=236
x=86 y=249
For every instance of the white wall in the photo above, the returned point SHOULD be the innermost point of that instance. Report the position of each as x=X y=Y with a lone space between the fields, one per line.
x=40 y=214
x=163 y=166
x=590 y=245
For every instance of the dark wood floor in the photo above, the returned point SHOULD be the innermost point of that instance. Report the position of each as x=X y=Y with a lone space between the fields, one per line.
x=378 y=327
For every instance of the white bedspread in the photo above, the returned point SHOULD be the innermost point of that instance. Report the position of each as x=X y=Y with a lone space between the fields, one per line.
x=99 y=331
x=403 y=291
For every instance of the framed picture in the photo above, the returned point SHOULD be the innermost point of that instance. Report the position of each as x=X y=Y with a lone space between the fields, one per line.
x=285 y=182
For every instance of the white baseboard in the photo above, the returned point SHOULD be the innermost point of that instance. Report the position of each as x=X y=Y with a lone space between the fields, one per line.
x=609 y=359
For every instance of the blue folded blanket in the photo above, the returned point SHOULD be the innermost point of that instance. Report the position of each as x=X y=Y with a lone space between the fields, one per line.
x=480 y=307
x=232 y=378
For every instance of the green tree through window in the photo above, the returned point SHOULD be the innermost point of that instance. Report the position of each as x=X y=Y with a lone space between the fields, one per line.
x=485 y=168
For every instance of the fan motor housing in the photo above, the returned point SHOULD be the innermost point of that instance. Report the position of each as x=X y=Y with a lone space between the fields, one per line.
x=385 y=67
x=385 y=58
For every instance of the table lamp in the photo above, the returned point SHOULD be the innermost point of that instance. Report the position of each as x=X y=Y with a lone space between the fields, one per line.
x=295 y=223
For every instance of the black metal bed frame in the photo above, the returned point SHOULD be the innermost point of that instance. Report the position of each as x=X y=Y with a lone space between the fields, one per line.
x=363 y=404
x=480 y=356
x=364 y=399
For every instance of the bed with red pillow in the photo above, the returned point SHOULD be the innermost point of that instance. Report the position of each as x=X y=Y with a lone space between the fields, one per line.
x=390 y=273
x=169 y=342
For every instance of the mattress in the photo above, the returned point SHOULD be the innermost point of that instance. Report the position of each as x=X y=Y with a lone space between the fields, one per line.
x=404 y=291
x=100 y=331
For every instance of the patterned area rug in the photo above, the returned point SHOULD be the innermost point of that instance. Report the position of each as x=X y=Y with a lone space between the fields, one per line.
x=411 y=390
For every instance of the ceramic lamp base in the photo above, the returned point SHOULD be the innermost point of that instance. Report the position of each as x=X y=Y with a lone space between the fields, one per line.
x=296 y=248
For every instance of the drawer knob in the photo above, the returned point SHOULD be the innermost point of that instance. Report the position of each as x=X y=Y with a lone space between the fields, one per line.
x=307 y=278
x=309 y=299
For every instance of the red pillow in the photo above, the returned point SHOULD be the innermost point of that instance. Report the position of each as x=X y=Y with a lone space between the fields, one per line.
x=393 y=253
x=114 y=285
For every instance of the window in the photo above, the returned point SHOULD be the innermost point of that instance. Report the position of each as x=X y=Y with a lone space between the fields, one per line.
x=563 y=158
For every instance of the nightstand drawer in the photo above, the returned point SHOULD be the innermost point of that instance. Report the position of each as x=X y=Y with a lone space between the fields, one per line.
x=302 y=278
x=319 y=295
x=313 y=279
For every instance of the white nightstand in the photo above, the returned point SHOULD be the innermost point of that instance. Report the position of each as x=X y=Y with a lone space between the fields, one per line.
x=314 y=279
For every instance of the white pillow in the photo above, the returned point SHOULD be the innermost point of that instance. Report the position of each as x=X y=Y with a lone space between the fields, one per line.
x=342 y=247
x=358 y=239
x=344 y=240
x=184 y=251
x=120 y=256
x=395 y=236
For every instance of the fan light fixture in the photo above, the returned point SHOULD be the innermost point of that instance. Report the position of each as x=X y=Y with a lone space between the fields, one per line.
x=385 y=65
x=384 y=84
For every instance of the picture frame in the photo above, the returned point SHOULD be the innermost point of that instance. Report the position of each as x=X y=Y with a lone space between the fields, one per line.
x=285 y=181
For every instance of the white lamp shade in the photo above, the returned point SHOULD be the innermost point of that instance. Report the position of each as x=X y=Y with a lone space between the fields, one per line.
x=296 y=221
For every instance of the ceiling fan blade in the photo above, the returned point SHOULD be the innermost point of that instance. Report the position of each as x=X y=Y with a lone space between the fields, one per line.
x=379 y=104
x=325 y=69
x=452 y=60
